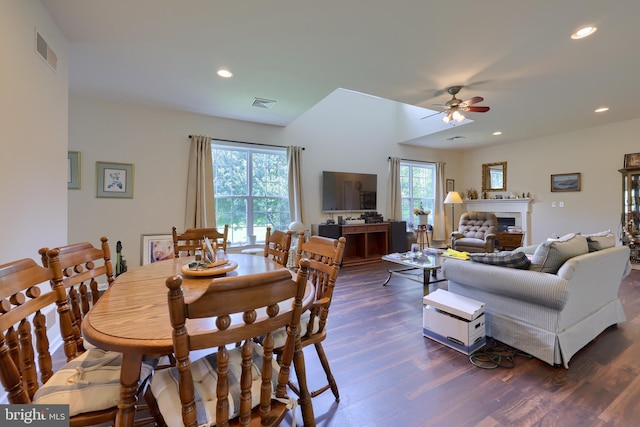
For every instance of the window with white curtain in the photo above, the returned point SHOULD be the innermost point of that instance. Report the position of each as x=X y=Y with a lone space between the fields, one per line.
x=250 y=189
x=418 y=187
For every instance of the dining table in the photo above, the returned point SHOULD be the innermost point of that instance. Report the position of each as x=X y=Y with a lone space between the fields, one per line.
x=132 y=317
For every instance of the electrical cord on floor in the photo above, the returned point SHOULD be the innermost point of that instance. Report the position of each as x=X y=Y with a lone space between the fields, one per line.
x=495 y=355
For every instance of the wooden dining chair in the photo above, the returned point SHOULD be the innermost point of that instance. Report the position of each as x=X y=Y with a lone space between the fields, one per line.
x=89 y=383
x=84 y=268
x=277 y=245
x=191 y=240
x=240 y=383
x=325 y=257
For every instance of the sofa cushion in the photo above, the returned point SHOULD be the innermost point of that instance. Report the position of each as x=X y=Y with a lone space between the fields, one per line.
x=603 y=240
x=512 y=259
x=550 y=255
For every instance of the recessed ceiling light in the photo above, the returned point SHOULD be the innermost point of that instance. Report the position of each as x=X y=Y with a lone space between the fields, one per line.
x=601 y=109
x=583 y=32
x=496 y=133
x=223 y=72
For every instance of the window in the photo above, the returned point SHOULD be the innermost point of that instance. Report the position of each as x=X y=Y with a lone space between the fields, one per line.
x=250 y=190
x=417 y=186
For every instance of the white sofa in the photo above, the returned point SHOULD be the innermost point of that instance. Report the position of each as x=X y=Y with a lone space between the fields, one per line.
x=550 y=316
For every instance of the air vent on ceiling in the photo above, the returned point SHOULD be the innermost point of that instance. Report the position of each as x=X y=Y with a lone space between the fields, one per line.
x=263 y=103
x=45 y=52
x=453 y=138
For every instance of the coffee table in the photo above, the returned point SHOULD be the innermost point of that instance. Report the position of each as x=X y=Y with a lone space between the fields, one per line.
x=425 y=264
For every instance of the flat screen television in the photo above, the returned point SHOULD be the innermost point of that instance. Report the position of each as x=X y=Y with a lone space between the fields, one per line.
x=348 y=192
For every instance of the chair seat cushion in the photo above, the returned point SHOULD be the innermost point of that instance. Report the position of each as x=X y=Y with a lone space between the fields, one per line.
x=90 y=382
x=164 y=387
x=280 y=336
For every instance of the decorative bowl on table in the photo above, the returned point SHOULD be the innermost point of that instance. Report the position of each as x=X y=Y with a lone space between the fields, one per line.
x=201 y=268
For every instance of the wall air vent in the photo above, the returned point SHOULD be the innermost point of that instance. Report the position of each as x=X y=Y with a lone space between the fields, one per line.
x=453 y=138
x=263 y=103
x=45 y=52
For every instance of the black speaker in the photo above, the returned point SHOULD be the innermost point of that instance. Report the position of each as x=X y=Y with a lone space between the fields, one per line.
x=398 y=237
x=332 y=231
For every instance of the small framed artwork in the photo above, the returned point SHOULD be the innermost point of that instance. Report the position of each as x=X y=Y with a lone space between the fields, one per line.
x=632 y=161
x=451 y=185
x=115 y=180
x=565 y=182
x=155 y=247
x=73 y=170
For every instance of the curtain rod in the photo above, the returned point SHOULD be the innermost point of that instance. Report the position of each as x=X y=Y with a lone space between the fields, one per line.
x=410 y=160
x=245 y=142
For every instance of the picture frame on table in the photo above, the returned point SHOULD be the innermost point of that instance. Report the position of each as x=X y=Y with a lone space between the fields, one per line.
x=114 y=180
x=155 y=247
x=451 y=185
x=73 y=170
x=566 y=182
x=632 y=161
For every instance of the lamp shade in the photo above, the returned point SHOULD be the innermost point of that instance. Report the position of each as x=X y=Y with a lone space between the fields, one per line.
x=453 y=197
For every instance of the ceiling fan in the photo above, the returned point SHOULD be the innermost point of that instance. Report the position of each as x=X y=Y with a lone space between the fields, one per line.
x=454 y=108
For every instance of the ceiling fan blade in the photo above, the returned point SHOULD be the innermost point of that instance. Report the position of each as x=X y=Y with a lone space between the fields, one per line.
x=477 y=109
x=473 y=100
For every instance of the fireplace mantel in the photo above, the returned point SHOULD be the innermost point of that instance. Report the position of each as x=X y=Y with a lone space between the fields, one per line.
x=519 y=207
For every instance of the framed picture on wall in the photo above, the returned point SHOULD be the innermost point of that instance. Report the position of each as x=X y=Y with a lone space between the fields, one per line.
x=451 y=185
x=115 y=180
x=155 y=247
x=565 y=182
x=73 y=170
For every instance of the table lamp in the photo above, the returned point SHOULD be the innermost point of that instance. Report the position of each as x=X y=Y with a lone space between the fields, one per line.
x=453 y=198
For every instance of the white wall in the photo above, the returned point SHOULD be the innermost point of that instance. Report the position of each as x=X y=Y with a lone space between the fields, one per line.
x=34 y=124
x=597 y=153
x=156 y=142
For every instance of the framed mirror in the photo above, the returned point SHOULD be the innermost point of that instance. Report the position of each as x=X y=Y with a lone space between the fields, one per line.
x=494 y=176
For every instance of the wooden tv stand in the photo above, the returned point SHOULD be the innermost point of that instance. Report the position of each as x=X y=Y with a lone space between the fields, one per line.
x=366 y=243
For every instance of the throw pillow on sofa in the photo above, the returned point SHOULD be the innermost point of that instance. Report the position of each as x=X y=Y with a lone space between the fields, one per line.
x=603 y=240
x=550 y=255
x=503 y=259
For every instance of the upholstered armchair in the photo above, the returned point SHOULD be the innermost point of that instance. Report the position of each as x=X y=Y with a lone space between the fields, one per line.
x=476 y=232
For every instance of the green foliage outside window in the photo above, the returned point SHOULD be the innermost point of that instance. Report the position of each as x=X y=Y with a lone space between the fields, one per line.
x=251 y=190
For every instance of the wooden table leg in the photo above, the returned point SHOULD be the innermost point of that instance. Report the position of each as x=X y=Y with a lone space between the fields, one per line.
x=305 y=397
x=129 y=377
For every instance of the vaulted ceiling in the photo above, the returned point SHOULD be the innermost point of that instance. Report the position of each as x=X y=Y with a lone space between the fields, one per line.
x=517 y=55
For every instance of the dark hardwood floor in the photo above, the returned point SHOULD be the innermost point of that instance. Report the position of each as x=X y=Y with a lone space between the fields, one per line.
x=390 y=375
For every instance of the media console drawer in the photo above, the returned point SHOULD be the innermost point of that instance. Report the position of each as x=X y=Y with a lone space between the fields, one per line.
x=365 y=228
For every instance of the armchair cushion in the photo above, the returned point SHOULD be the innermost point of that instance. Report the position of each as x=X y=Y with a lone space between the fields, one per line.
x=476 y=232
x=550 y=255
x=504 y=259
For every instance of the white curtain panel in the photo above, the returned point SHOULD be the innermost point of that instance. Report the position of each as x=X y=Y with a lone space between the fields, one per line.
x=440 y=231
x=394 y=201
x=200 y=210
x=294 y=160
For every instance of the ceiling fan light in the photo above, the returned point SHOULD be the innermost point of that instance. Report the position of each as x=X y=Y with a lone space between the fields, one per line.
x=447 y=118
x=457 y=116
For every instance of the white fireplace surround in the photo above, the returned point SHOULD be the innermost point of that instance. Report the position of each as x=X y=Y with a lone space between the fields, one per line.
x=520 y=209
